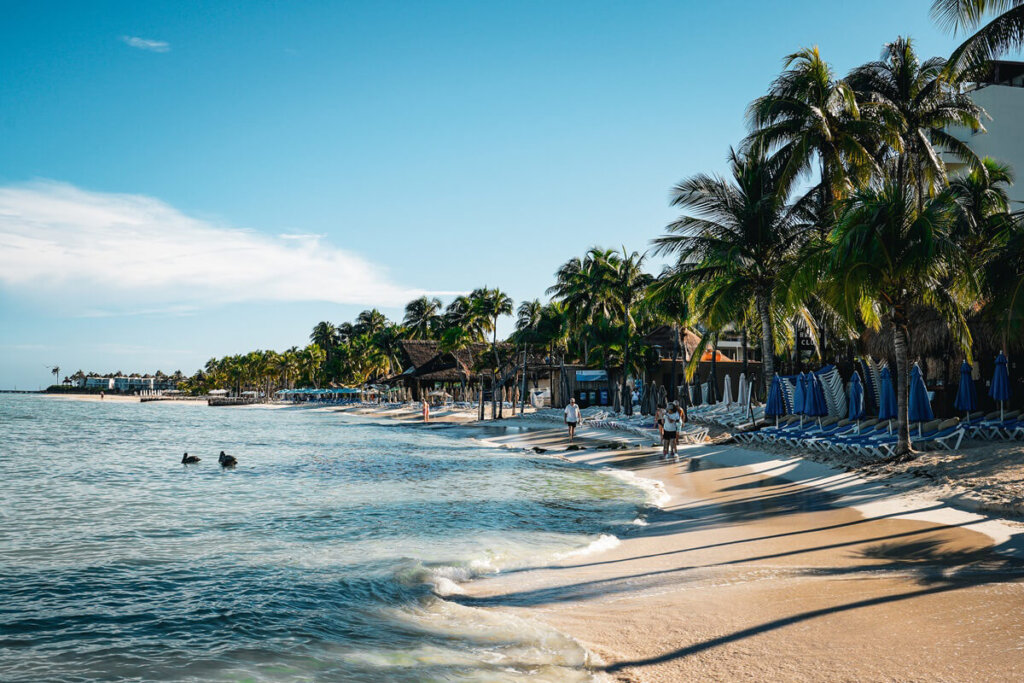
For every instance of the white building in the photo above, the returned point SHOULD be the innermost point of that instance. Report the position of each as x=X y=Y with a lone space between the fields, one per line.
x=1001 y=94
x=105 y=383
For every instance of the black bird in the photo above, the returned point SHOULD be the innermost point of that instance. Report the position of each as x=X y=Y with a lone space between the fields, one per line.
x=226 y=460
x=190 y=459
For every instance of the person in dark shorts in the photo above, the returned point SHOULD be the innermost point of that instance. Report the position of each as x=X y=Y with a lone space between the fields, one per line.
x=670 y=434
x=572 y=418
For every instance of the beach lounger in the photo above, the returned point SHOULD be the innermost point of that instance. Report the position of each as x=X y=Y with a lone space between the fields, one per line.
x=991 y=426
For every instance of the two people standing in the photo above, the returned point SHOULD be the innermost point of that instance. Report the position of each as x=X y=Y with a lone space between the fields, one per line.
x=670 y=421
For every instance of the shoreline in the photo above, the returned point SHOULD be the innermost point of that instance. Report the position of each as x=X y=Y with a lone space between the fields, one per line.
x=803 y=544
x=771 y=567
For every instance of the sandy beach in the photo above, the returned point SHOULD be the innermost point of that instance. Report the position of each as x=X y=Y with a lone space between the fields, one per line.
x=761 y=568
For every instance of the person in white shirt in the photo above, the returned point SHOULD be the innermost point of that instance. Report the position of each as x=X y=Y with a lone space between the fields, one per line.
x=670 y=432
x=572 y=417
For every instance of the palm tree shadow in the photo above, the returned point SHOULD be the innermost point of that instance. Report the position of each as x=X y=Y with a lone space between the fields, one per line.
x=937 y=570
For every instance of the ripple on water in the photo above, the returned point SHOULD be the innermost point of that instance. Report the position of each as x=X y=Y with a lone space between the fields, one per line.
x=320 y=556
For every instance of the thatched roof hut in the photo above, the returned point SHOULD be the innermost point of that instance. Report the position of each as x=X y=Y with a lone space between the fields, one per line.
x=664 y=337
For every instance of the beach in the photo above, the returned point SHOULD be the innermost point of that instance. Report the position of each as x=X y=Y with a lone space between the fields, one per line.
x=760 y=568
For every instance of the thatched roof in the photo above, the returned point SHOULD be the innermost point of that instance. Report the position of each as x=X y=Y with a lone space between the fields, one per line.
x=930 y=337
x=428 y=363
x=664 y=337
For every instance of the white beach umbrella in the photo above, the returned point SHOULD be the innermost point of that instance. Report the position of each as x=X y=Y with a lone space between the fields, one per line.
x=727 y=390
x=742 y=390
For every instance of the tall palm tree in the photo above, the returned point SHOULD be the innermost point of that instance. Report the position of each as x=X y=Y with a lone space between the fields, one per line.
x=889 y=254
x=1003 y=34
x=733 y=250
x=915 y=104
x=489 y=305
x=626 y=288
x=669 y=303
x=814 y=121
x=370 y=322
x=423 y=318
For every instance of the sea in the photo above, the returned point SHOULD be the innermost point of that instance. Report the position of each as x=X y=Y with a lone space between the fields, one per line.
x=336 y=550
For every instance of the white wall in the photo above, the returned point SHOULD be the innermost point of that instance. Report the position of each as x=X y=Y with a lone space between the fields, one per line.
x=1004 y=140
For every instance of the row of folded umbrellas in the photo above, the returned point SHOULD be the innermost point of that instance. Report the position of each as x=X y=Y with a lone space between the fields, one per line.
x=809 y=394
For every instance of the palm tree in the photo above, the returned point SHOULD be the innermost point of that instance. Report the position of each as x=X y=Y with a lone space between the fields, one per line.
x=627 y=286
x=889 y=254
x=55 y=371
x=733 y=251
x=669 y=303
x=370 y=322
x=809 y=115
x=1003 y=34
x=915 y=104
x=422 y=318
x=489 y=305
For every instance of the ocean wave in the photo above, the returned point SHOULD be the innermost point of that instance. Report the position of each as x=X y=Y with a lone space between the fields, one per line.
x=657 y=496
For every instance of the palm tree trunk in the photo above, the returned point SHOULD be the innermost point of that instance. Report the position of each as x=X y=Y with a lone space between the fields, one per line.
x=627 y=408
x=675 y=358
x=902 y=385
x=767 y=342
x=522 y=397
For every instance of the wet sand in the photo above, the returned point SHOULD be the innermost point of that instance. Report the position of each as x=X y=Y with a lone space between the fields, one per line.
x=780 y=570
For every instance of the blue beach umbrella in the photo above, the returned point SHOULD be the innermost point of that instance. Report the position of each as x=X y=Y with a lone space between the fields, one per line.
x=776 y=403
x=799 y=392
x=887 y=396
x=920 y=408
x=855 y=397
x=966 y=393
x=1000 y=389
x=815 y=404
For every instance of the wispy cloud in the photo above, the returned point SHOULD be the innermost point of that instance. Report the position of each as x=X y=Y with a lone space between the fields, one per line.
x=146 y=44
x=91 y=253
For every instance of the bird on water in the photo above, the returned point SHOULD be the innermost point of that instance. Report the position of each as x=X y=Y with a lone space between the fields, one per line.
x=226 y=460
x=190 y=459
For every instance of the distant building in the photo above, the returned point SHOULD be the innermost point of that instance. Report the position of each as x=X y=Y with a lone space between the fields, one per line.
x=105 y=383
x=1001 y=93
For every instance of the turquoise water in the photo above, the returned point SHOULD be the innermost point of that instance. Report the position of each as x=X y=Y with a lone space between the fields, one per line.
x=327 y=554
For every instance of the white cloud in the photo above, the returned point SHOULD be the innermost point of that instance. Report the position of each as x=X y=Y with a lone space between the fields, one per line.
x=95 y=254
x=146 y=44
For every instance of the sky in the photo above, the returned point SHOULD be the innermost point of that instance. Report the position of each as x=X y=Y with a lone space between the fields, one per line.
x=183 y=180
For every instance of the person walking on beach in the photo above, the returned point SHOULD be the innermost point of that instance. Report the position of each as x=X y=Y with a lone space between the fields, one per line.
x=659 y=421
x=670 y=433
x=572 y=417
x=426 y=410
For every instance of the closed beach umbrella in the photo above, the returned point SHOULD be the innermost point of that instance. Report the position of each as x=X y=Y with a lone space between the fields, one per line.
x=712 y=386
x=1000 y=389
x=743 y=391
x=799 y=396
x=776 y=403
x=727 y=391
x=920 y=407
x=966 y=393
x=887 y=396
x=855 y=397
x=817 y=407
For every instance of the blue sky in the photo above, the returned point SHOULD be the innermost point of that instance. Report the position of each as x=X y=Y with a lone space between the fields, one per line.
x=183 y=180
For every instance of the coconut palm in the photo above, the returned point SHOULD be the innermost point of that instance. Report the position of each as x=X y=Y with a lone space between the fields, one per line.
x=915 y=104
x=667 y=300
x=814 y=121
x=1003 y=34
x=892 y=252
x=423 y=318
x=370 y=322
x=733 y=250
x=626 y=288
